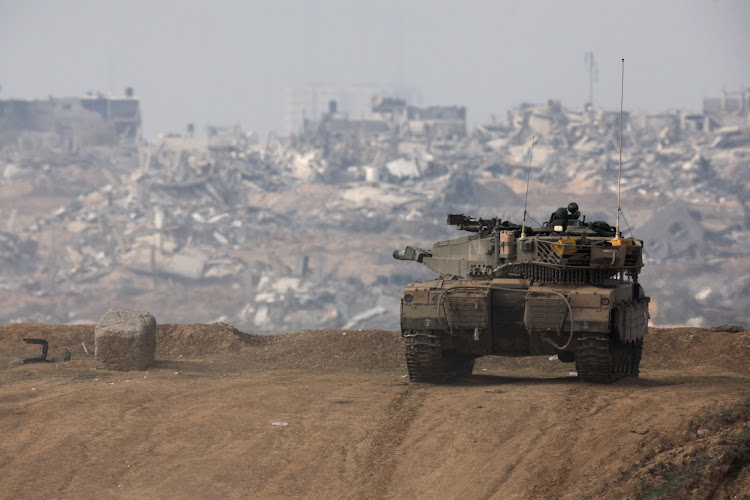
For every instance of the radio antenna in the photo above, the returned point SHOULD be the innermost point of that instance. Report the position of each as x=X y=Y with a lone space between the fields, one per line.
x=526 y=199
x=619 y=175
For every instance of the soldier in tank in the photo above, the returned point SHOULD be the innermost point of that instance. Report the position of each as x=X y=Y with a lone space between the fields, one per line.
x=573 y=211
x=562 y=215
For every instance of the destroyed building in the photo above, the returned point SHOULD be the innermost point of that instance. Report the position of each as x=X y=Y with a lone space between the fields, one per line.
x=392 y=117
x=434 y=122
x=442 y=122
x=71 y=122
x=310 y=102
x=731 y=107
x=334 y=123
x=215 y=228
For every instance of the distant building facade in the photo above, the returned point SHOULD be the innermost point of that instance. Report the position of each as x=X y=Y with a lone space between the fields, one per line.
x=311 y=102
x=391 y=116
x=72 y=121
x=437 y=122
x=731 y=108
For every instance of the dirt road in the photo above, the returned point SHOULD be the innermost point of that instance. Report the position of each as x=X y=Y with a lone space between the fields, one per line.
x=200 y=423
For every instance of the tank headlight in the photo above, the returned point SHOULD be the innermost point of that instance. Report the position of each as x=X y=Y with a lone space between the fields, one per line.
x=558 y=229
x=605 y=301
x=408 y=297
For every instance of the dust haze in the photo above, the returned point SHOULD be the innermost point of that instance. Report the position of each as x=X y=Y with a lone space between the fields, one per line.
x=255 y=164
x=230 y=62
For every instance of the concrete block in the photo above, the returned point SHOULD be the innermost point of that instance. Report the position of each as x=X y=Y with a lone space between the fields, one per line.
x=125 y=340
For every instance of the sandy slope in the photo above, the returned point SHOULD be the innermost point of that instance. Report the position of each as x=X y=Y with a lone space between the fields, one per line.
x=199 y=423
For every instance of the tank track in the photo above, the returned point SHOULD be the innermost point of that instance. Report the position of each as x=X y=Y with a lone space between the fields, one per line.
x=423 y=357
x=427 y=362
x=604 y=358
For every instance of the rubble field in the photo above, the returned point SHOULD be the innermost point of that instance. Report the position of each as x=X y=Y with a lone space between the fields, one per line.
x=330 y=414
x=298 y=232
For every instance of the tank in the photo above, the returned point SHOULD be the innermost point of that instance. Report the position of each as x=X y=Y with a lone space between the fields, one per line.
x=568 y=288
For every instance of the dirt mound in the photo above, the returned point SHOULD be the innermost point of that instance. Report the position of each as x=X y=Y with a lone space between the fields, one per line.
x=172 y=341
x=330 y=414
x=667 y=348
x=365 y=350
x=59 y=337
x=709 y=461
x=200 y=339
x=664 y=348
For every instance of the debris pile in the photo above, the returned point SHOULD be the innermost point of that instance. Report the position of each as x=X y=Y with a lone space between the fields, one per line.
x=298 y=233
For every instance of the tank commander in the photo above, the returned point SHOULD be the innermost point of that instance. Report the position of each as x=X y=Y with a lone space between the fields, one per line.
x=562 y=215
x=573 y=209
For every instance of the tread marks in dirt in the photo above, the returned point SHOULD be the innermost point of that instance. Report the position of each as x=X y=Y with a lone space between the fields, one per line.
x=497 y=487
x=387 y=438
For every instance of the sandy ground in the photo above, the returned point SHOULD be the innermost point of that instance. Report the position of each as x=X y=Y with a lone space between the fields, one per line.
x=200 y=422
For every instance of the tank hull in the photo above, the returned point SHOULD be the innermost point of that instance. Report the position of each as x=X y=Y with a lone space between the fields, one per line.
x=446 y=324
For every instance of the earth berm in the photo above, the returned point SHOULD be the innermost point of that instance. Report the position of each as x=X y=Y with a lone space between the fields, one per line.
x=200 y=422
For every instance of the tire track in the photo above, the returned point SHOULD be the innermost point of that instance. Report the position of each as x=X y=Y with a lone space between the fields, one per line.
x=379 y=462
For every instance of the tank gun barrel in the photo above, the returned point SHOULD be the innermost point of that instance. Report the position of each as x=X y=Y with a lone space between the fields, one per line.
x=411 y=253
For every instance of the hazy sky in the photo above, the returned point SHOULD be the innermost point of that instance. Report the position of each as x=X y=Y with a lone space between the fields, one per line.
x=225 y=62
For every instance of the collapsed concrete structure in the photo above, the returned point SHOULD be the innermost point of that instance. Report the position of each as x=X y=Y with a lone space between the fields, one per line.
x=298 y=232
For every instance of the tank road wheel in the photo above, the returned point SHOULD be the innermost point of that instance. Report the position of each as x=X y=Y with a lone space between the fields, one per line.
x=604 y=358
x=423 y=356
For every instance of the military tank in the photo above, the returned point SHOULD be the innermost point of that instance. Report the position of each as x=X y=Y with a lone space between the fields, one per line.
x=567 y=287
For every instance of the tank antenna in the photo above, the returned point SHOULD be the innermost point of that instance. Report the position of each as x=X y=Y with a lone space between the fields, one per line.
x=526 y=199
x=619 y=175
